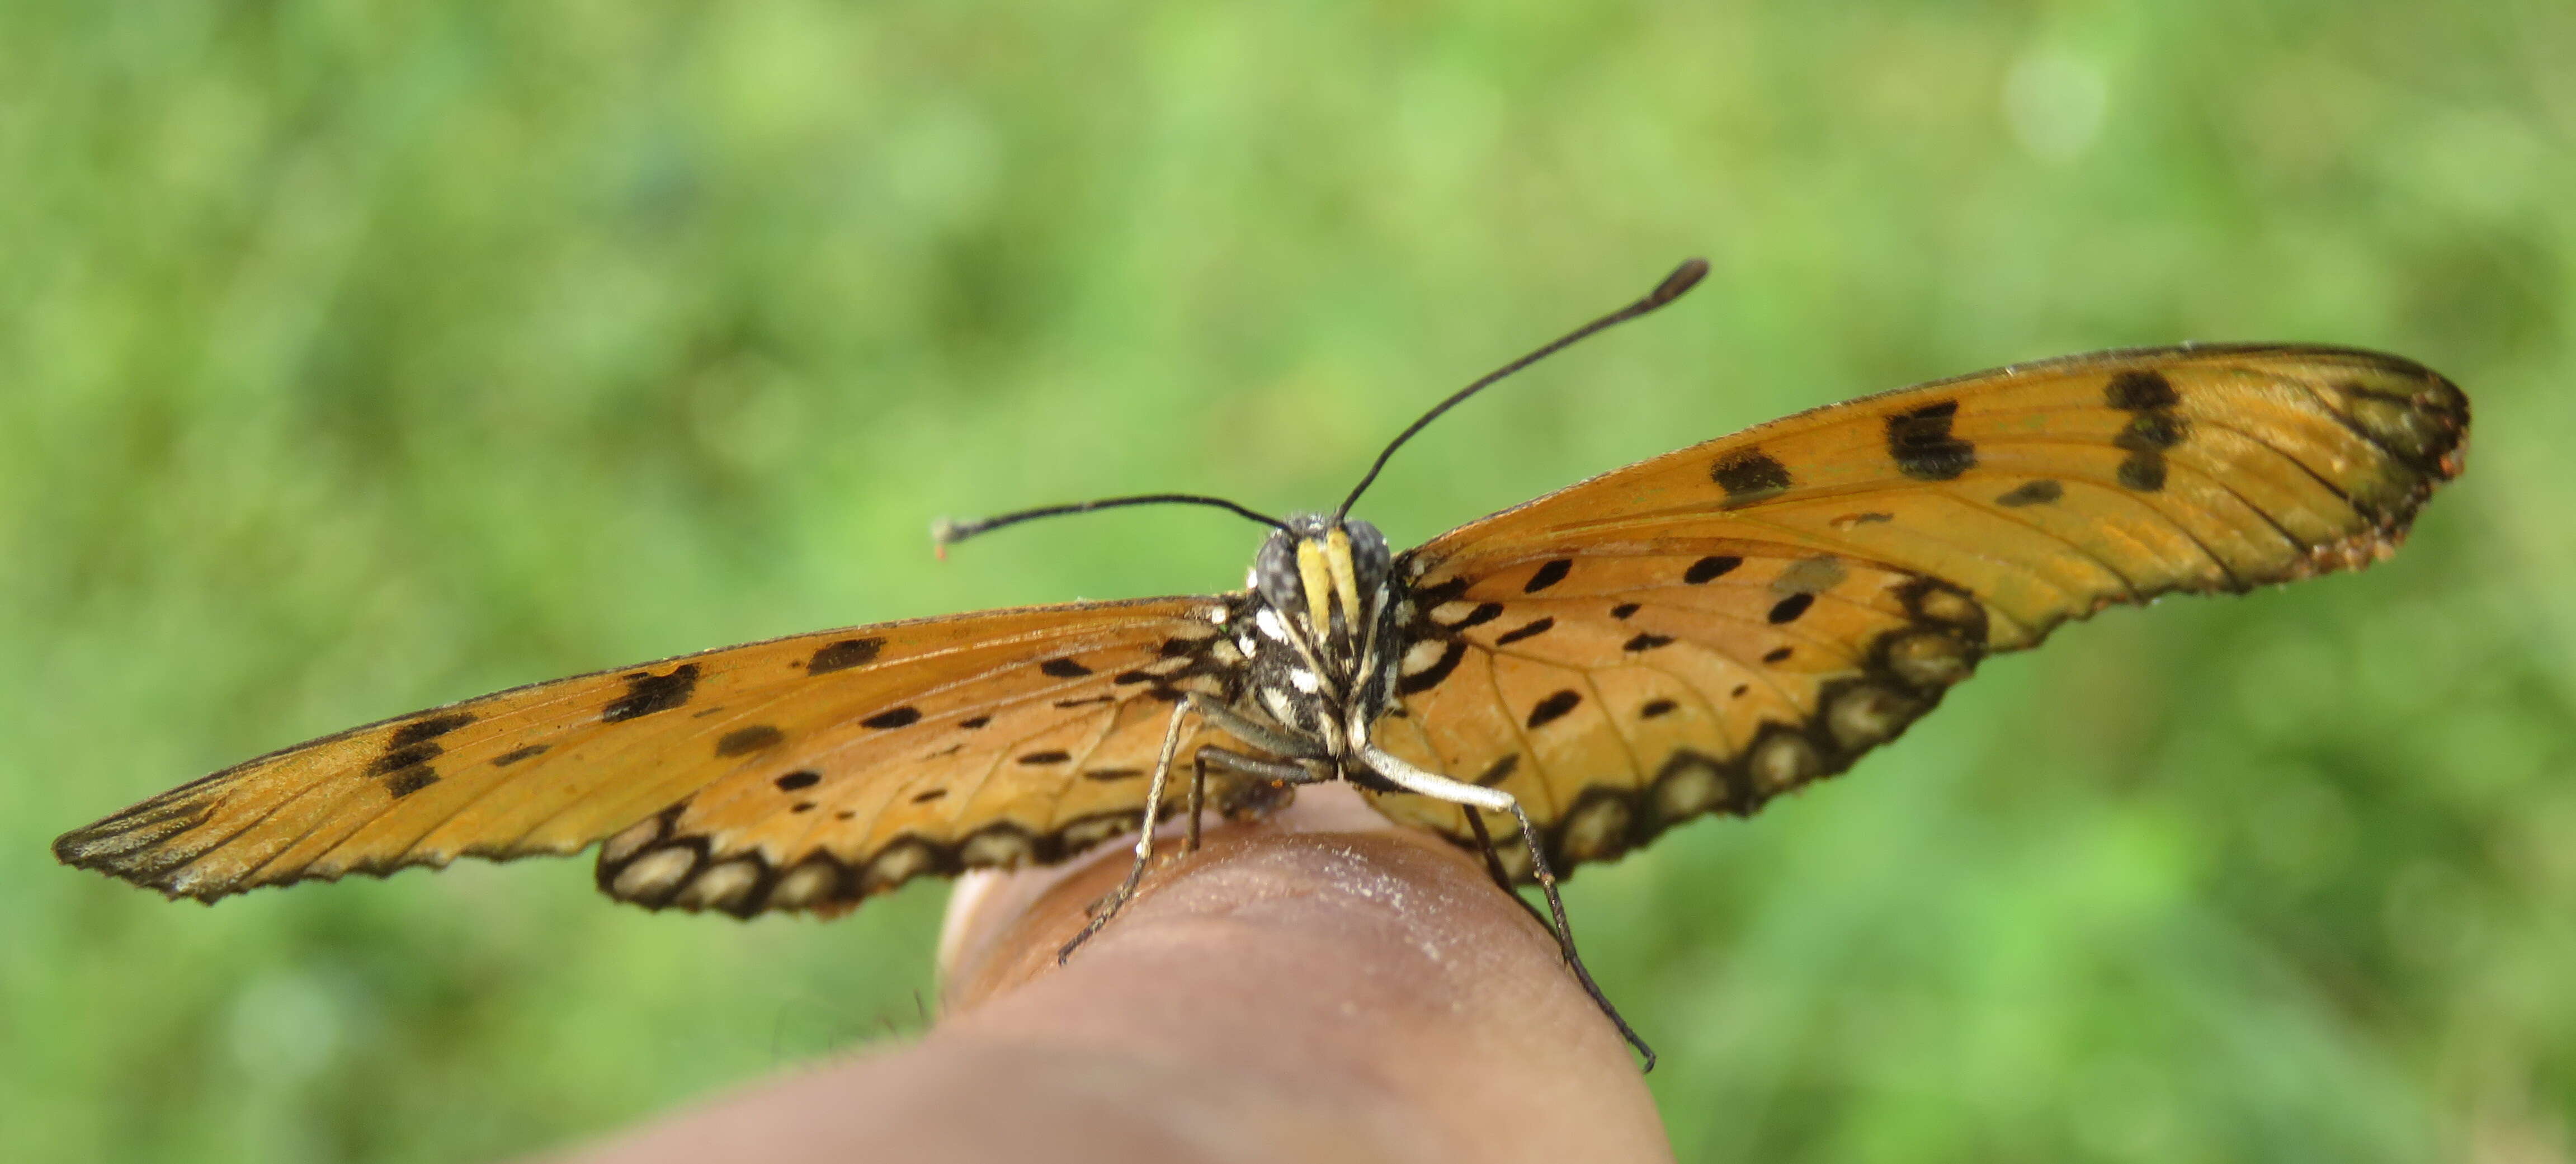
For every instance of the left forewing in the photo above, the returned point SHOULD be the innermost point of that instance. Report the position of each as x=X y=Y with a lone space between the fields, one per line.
x=862 y=756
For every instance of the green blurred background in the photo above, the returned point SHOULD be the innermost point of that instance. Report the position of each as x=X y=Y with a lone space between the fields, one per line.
x=356 y=358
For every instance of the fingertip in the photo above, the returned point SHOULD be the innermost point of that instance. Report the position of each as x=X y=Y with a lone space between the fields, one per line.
x=1278 y=956
x=994 y=912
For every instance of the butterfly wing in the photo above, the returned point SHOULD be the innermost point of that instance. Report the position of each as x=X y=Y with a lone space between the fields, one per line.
x=1712 y=627
x=798 y=773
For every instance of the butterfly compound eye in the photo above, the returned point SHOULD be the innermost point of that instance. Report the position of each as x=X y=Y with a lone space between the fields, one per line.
x=1274 y=574
x=1369 y=556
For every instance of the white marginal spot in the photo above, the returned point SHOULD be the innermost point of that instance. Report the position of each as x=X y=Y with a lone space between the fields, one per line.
x=721 y=886
x=895 y=866
x=653 y=873
x=1419 y=657
x=1246 y=645
x=1782 y=762
x=1271 y=624
x=802 y=885
x=633 y=840
x=1085 y=834
x=1689 y=791
x=1217 y=615
x=995 y=848
x=1600 y=830
x=1947 y=606
x=1927 y=658
x=1280 y=709
x=1448 y=613
x=1865 y=715
x=1303 y=680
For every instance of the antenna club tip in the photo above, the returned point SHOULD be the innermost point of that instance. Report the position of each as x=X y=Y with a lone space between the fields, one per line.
x=1683 y=278
x=943 y=534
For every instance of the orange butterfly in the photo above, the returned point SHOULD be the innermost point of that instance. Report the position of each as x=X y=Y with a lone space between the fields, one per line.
x=1699 y=632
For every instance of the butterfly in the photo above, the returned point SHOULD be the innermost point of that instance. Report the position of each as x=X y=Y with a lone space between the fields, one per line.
x=1551 y=685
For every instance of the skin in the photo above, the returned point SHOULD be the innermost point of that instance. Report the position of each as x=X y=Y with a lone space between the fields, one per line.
x=1319 y=986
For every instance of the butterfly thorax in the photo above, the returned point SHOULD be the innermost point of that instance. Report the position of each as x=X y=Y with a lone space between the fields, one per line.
x=1321 y=635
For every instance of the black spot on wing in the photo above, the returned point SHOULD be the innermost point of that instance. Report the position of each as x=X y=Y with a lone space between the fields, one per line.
x=1106 y=775
x=928 y=795
x=2039 y=492
x=1647 y=642
x=976 y=722
x=1625 y=609
x=796 y=780
x=2143 y=472
x=2154 y=429
x=1035 y=759
x=1656 y=707
x=647 y=693
x=515 y=755
x=895 y=718
x=2139 y=391
x=1710 y=569
x=1484 y=613
x=428 y=729
x=1548 y=575
x=1553 y=708
x=1749 y=476
x=843 y=655
x=2152 y=432
x=1064 y=668
x=1500 y=769
x=409 y=755
x=1788 y=609
x=410 y=780
x=1919 y=441
x=745 y=741
x=1447 y=590
x=1529 y=630
x=1778 y=654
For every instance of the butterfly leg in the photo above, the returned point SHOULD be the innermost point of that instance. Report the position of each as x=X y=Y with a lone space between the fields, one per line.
x=1494 y=867
x=1287 y=772
x=1108 y=907
x=1198 y=797
x=1474 y=797
x=1225 y=720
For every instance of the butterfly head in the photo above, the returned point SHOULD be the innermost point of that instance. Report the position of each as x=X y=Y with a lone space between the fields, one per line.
x=1321 y=621
x=1326 y=577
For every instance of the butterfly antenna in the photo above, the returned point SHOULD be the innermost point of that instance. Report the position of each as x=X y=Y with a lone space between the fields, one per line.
x=1683 y=278
x=945 y=533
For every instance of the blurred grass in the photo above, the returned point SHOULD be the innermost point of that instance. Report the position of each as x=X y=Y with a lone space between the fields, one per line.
x=358 y=358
